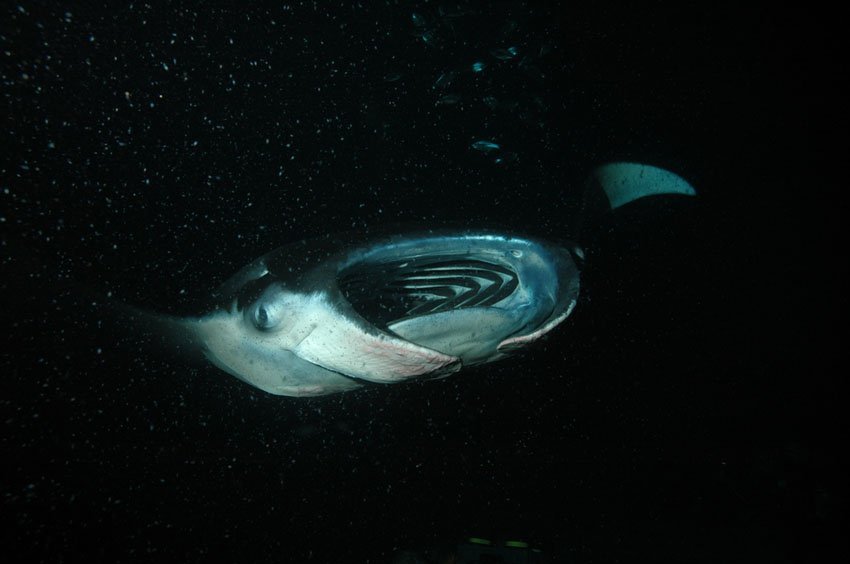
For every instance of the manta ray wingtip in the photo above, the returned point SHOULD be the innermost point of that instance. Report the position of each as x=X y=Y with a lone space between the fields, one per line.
x=624 y=182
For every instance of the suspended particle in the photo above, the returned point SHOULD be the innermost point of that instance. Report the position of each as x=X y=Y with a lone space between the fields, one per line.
x=429 y=37
x=444 y=79
x=505 y=54
x=504 y=158
x=485 y=146
x=448 y=100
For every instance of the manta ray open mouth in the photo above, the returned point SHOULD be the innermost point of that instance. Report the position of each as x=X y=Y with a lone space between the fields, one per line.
x=393 y=291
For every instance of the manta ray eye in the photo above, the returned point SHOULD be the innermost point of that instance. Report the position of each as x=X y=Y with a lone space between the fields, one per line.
x=265 y=317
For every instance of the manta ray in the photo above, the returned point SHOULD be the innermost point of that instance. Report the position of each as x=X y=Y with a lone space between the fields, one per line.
x=322 y=317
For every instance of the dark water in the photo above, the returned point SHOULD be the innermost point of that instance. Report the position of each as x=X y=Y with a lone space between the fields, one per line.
x=686 y=412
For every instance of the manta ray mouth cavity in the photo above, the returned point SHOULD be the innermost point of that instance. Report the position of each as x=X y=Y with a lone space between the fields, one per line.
x=393 y=291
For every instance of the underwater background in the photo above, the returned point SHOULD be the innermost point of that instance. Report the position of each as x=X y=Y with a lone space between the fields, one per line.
x=687 y=410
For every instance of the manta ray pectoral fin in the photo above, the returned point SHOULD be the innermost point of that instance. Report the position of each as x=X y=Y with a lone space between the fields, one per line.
x=627 y=182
